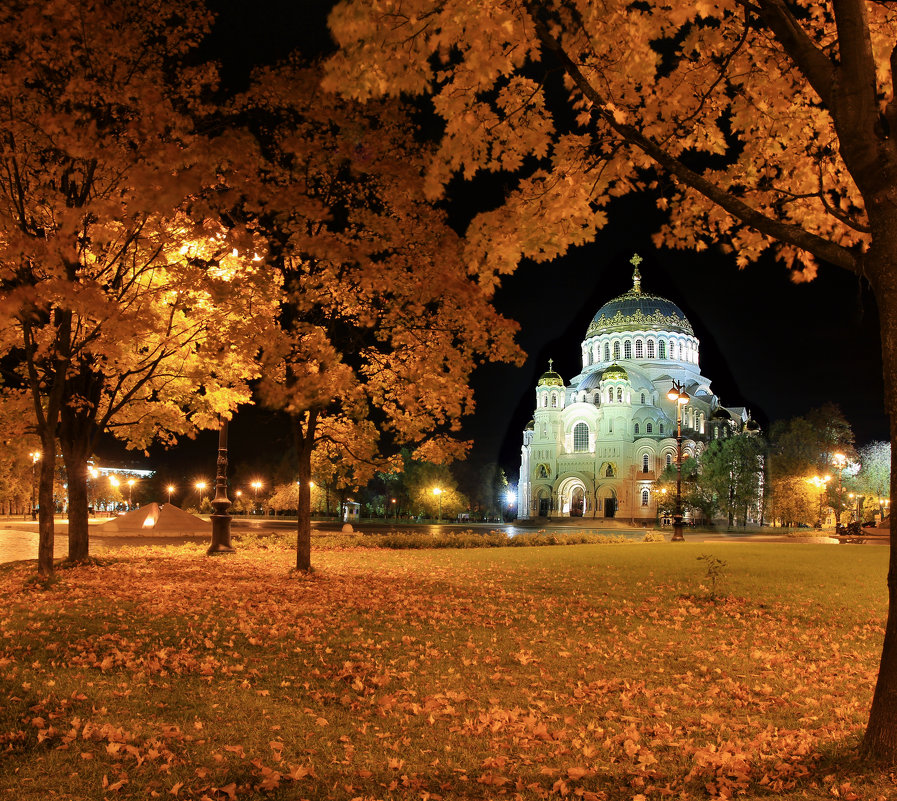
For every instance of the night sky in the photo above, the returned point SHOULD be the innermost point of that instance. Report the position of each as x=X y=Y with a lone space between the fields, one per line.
x=777 y=348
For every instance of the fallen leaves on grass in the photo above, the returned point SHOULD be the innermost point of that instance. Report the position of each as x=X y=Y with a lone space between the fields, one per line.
x=409 y=675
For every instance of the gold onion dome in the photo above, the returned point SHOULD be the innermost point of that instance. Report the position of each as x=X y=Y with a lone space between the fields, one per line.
x=638 y=311
x=615 y=372
x=551 y=378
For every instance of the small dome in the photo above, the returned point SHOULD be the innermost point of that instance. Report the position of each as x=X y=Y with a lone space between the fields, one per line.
x=530 y=426
x=551 y=378
x=615 y=373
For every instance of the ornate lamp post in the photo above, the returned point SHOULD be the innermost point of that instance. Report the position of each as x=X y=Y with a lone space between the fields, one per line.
x=680 y=397
x=220 y=518
x=857 y=513
x=839 y=460
x=438 y=493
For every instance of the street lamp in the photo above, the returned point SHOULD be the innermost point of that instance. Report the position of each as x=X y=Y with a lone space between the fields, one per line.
x=858 y=513
x=438 y=493
x=200 y=488
x=839 y=460
x=256 y=486
x=511 y=498
x=130 y=488
x=820 y=482
x=35 y=458
x=170 y=489
x=678 y=394
x=395 y=509
x=220 y=518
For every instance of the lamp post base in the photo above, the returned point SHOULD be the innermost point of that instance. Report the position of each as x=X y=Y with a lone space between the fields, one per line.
x=220 y=536
x=677 y=530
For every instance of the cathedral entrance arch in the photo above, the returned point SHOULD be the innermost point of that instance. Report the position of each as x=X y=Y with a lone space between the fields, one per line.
x=607 y=502
x=542 y=501
x=572 y=497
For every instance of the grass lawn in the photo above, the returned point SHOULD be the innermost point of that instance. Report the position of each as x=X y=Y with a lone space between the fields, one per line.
x=589 y=671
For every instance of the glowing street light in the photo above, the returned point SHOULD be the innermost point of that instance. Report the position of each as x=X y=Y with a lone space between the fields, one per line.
x=395 y=508
x=200 y=488
x=839 y=460
x=256 y=486
x=438 y=493
x=131 y=483
x=678 y=394
x=819 y=482
x=170 y=489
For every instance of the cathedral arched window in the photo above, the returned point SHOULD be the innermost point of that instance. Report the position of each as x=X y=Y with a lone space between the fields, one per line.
x=701 y=425
x=580 y=437
x=645 y=463
x=674 y=350
x=619 y=394
x=541 y=471
x=609 y=473
x=610 y=395
x=616 y=350
x=649 y=429
x=544 y=401
x=661 y=350
x=635 y=429
x=554 y=400
x=643 y=397
x=644 y=497
x=607 y=351
x=669 y=460
x=627 y=349
x=650 y=348
x=661 y=428
x=638 y=349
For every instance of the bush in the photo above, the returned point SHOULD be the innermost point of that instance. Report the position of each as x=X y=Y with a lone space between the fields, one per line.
x=398 y=540
x=654 y=536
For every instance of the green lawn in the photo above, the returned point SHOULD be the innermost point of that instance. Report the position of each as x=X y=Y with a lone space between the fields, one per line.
x=589 y=671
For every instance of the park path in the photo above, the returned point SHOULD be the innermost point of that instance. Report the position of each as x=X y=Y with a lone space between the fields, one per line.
x=17 y=544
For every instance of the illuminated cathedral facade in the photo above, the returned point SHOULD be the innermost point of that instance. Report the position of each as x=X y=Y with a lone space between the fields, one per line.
x=598 y=443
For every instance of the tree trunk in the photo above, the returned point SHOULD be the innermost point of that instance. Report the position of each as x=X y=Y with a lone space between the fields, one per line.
x=46 y=508
x=305 y=439
x=75 y=456
x=880 y=741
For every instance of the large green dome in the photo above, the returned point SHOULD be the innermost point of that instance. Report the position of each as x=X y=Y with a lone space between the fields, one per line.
x=638 y=311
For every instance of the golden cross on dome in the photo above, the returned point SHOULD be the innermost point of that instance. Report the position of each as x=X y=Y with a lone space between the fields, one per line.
x=635 y=261
x=550 y=362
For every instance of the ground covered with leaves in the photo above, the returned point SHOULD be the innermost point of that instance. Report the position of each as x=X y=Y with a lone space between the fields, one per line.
x=617 y=671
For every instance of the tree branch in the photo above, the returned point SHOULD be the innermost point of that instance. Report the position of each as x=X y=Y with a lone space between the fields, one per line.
x=785 y=232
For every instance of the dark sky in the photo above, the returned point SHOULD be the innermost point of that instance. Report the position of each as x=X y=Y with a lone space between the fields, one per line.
x=778 y=348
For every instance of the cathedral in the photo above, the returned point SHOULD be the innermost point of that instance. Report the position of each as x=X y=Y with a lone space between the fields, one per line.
x=598 y=444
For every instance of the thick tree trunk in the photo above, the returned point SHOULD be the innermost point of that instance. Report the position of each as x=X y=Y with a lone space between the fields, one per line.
x=46 y=508
x=880 y=741
x=303 y=533
x=305 y=439
x=75 y=456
